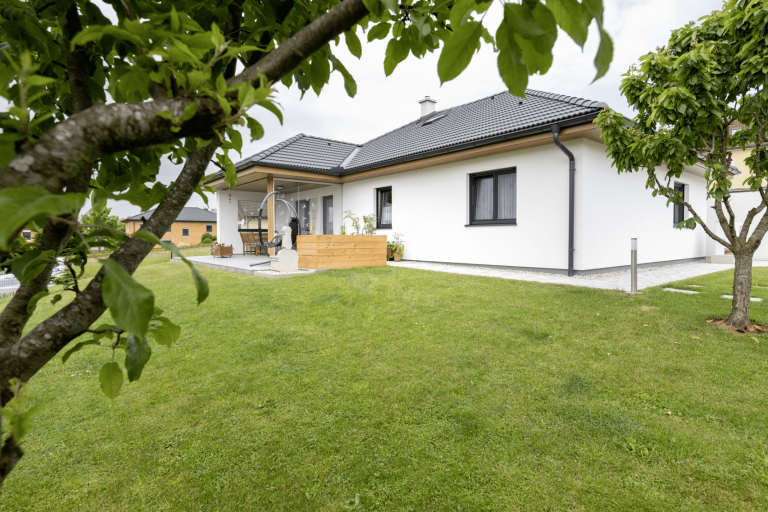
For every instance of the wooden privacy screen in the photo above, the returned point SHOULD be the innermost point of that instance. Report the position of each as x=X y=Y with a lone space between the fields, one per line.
x=341 y=251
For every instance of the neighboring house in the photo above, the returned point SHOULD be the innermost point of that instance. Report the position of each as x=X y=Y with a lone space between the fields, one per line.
x=188 y=228
x=478 y=184
x=28 y=234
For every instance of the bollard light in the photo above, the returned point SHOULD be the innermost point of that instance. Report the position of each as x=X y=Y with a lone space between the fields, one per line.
x=633 y=269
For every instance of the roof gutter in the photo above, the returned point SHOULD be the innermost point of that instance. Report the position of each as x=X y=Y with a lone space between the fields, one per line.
x=571 y=193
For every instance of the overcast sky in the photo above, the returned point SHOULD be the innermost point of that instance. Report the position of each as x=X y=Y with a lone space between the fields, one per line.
x=385 y=103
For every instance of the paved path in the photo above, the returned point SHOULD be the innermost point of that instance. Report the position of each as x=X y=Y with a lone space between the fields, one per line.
x=646 y=278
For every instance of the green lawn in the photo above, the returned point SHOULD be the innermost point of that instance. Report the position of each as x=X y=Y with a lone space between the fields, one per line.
x=397 y=389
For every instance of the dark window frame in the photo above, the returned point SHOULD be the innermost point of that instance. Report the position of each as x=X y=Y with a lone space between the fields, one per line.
x=473 y=178
x=184 y=232
x=379 y=190
x=678 y=210
x=209 y=228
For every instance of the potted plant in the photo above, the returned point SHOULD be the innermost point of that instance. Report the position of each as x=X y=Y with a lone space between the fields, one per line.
x=390 y=250
x=221 y=250
x=399 y=246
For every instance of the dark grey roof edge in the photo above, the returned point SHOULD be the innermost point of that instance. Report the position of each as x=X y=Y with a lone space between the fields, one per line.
x=584 y=119
x=268 y=151
x=185 y=210
x=581 y=102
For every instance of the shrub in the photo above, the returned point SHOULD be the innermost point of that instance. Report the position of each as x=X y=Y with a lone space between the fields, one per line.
x=207 y=239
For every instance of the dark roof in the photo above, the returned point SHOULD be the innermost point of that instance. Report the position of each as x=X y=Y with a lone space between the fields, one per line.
x=187 y=214
x=301 y=151
x=492 y=119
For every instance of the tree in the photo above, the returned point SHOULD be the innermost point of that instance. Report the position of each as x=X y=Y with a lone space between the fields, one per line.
x=687 y=94
x=100 y=217
x=94 y=106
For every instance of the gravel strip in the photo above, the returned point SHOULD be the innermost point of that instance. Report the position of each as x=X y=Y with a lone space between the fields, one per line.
x=585 y=277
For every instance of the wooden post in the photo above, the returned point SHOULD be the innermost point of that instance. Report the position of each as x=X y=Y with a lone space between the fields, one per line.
x=270 y=210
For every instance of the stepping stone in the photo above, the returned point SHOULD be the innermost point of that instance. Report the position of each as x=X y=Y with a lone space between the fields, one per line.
x=690 y=292
x=751 y=299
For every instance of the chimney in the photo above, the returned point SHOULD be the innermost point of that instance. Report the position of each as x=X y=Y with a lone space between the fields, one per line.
x=427 y=106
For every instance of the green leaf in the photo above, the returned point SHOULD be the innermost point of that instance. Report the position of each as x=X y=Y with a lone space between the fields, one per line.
x=604 y=54
x=19 y=423
x=111 y=378
x=236 y=139
x=201 y=284
x=137 y=353
x=37 y=81
x=512 y=69
x=460 y=12
x=30 y=264
x=190 y=110
x=267 y=104
x=397 y=51
x=146 y=235
x=353 y=43
x=536 y=27
x=570 y=16
x=458 y=51
x=172 y=330
x=130 y=303
x=379 y=31
x=23 y=205
x=319 y=72
x=257 y=131
x=32 y=304
x=76 y=348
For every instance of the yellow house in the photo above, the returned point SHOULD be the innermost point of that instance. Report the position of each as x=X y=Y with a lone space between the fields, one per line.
x=188 y=228
x=738 y=160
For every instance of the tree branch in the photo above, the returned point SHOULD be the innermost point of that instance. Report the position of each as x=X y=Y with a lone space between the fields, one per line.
x=25 y=357
x=78 y=142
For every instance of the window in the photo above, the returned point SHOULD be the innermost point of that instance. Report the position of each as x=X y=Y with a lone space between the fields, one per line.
x=184 y=231
x=140 y=224
x=209 y=228
x=384 y=208
x=493 y=198
x=27 y=235
x=678 y=215
x=328 y=215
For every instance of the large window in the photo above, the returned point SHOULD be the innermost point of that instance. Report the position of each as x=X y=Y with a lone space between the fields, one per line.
x=384 y=208
x=184 y=231
x=493 y=198
x=678 y=215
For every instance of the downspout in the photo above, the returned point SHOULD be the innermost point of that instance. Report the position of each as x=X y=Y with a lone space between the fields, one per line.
x=571 y=193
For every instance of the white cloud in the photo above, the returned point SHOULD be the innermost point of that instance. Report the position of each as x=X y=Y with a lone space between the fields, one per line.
x=385 y=103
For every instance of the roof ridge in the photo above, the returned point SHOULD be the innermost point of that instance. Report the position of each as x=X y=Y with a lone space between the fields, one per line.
x=581 y=102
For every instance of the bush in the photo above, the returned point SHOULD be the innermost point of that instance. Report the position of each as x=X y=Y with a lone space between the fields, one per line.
x=207 y=239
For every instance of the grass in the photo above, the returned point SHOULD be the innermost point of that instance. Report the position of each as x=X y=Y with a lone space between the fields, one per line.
x=398 y=389
x=154 y=257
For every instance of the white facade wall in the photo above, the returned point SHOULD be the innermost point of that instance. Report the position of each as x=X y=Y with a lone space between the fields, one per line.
x=612 y=208
x=431 y=210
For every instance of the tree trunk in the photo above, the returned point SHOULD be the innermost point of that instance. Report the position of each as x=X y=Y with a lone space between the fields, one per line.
x=9 y=456
x=742 y=289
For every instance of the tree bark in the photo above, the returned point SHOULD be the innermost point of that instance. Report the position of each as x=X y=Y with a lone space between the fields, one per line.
x=742 y=290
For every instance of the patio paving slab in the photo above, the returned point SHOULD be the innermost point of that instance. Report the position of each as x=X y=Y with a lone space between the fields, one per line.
x=646 y=278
